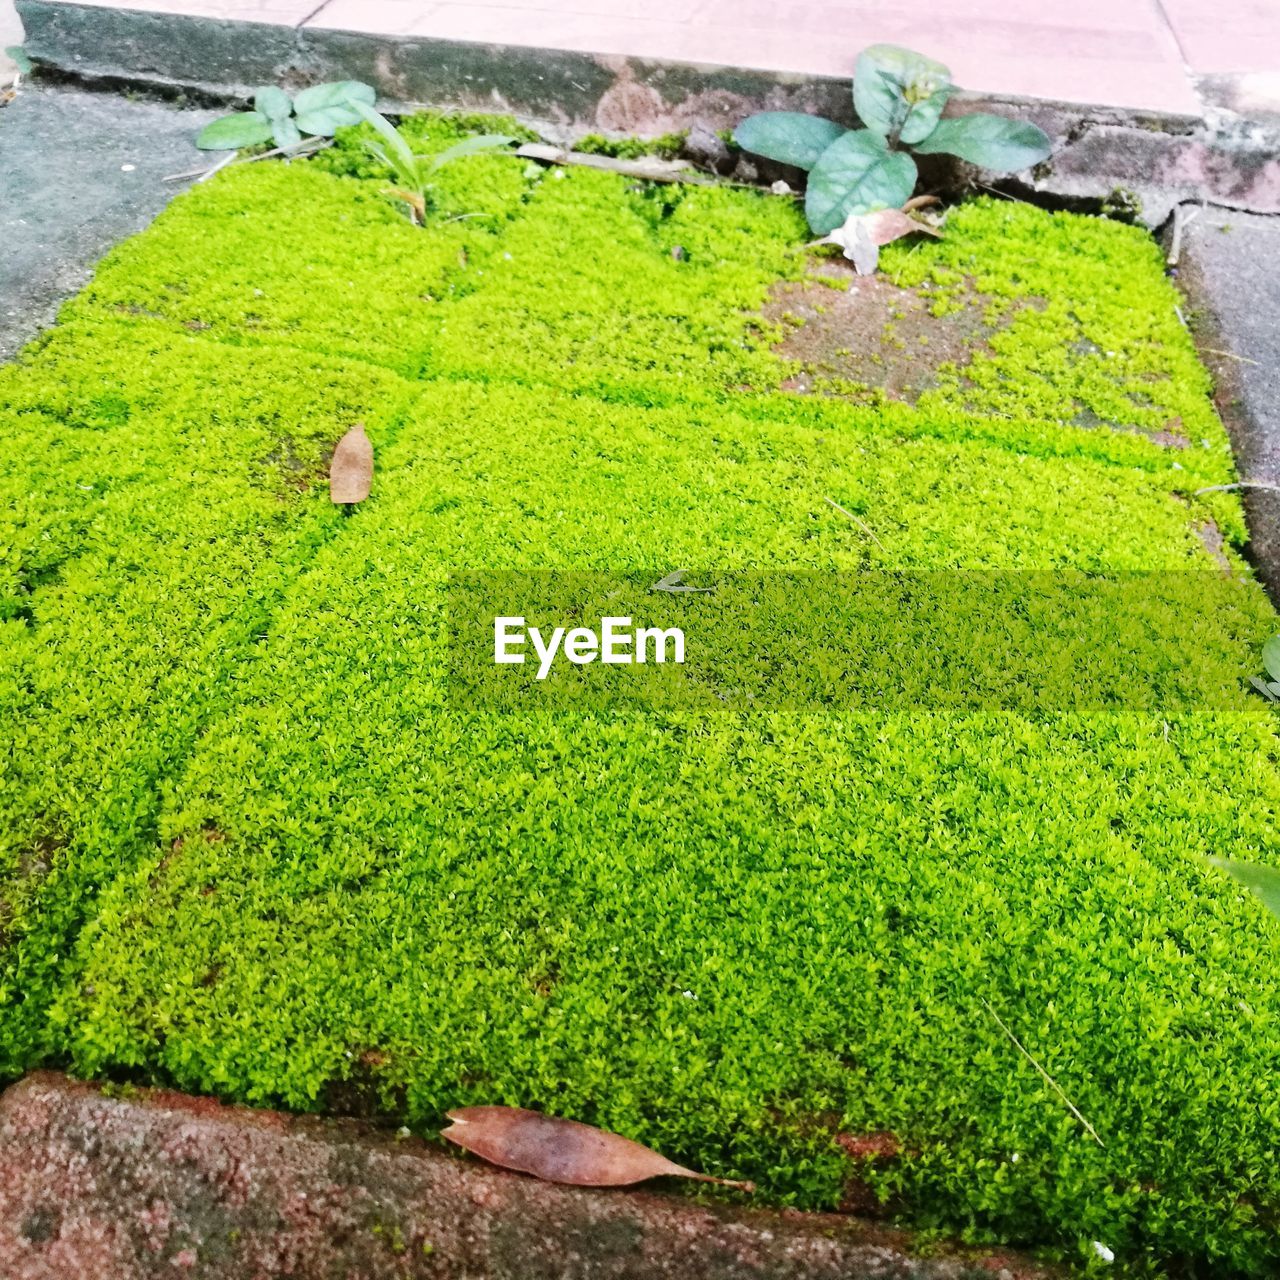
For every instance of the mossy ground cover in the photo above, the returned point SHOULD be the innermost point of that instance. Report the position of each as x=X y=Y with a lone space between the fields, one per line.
x=251 y=846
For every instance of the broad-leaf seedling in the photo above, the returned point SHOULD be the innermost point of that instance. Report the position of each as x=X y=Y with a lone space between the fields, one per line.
x=899 y=96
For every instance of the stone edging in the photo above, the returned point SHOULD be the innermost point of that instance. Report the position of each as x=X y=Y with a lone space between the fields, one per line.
x=126 y=1185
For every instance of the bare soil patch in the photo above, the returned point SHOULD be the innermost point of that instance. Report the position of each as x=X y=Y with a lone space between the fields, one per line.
x=846 y=328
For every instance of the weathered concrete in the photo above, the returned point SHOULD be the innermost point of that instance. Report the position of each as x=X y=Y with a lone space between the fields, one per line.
x=1229 y=266
x=1221 y=163
x=1250 y=95
x=1103 y=155
x=158 y=1184
x=79 y=171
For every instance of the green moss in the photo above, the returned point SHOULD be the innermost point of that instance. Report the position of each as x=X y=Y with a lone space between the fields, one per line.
x=667 y=147
x=247 y=836
x=1088 y=327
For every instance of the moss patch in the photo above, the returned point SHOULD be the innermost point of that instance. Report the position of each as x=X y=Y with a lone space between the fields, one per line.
x=250 y=846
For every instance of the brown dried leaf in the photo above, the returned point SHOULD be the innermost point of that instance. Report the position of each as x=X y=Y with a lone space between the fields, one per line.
x=415 y=200
x=558 y=1150
x=892 y=224
x=351 y=471
x=919 y=202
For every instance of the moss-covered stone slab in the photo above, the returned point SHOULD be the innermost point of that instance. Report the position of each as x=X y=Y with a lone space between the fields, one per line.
x=252 y=847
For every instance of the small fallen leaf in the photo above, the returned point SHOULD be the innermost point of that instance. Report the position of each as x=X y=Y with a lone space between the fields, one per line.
x=351 y=471
x=893 y=224
x=557 y=1150
x=862 y=234
x=674 y=583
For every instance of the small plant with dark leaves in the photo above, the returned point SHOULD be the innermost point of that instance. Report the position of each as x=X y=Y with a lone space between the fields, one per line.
x=315 y=112
x=414 y=174
x=899 y=96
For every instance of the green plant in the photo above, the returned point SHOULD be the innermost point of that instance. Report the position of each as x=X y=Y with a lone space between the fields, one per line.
x=1262 y=880
x=317 y=111
x=899 y=96
x=414 y=174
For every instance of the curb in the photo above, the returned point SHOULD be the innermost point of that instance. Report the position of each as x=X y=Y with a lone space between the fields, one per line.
x=1140 y=162
x=135 y=1184
x=1228 y=271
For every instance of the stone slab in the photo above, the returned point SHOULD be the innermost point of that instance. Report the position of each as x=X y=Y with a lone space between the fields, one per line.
x=1229 y=266
x=154 y=1184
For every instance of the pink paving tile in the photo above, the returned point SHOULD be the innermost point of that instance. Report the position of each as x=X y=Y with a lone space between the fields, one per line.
x=1227 y=36
x=287 y=13
x=424 y=17
x=828 y=18
x=1121 y=54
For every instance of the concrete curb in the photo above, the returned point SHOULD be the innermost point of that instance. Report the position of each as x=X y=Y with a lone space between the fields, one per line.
x=1104 y=156
x=1228 y=270
x=115 y=1186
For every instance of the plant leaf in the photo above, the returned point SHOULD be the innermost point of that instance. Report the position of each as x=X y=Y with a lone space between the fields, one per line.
x=856 y=170
x=790 y=137
x=1265 y=689
x=351 y=471
x=897 y=91
x=230 y=133
x=991 y=142
x=335 y=93
x=469 y=146
x=325 y=108
x=326 y=121
x=1262 y=880
x=1271 y=657
x=273 y=103
x=406 y=162
x=557 y=1150
x=285 y=133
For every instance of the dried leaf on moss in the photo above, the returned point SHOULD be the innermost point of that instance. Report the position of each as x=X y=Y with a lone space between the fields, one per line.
x=558 y=1150
x=351 y=471
x=862 y=234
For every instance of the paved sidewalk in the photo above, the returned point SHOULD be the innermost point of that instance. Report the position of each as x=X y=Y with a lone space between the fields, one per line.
x=1131 y=54
x=78 y=173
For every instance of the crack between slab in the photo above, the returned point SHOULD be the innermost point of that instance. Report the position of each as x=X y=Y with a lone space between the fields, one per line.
x=1187 y=70
x=315 y=13
x=1160 y=9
